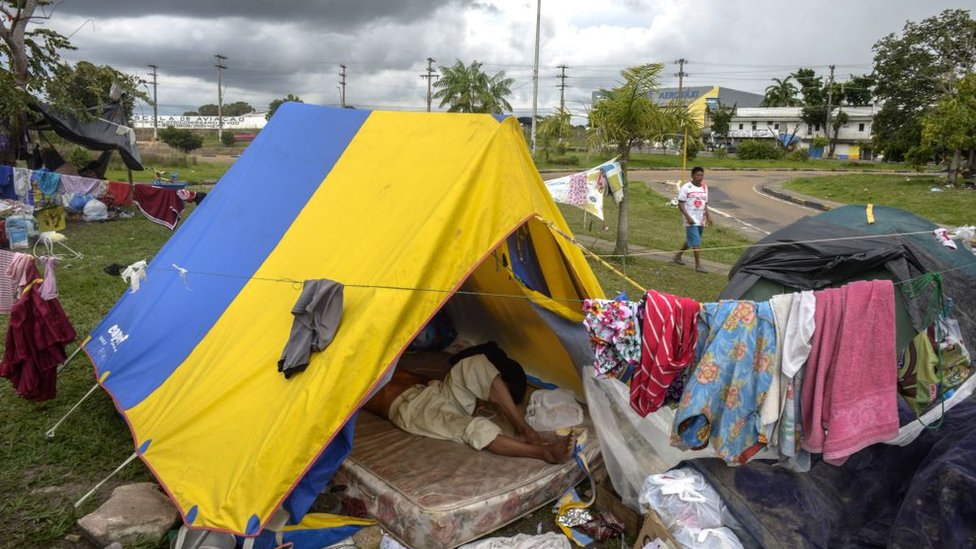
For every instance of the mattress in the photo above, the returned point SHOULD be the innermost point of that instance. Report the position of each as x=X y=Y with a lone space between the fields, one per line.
x=433 y=493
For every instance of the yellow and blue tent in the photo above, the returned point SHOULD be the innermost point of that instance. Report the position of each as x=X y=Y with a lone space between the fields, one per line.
x=404 y=209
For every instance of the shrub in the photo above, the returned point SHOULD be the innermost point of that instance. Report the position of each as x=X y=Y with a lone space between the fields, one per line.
x=227 y=139
x=183 y=140
x=720 y=152
x=568 y=160
x=819 y=142
x=755 y=149
x=801 y=154
x=79 y=157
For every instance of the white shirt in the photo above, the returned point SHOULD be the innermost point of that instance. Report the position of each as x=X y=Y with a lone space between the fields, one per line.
x=695 y=199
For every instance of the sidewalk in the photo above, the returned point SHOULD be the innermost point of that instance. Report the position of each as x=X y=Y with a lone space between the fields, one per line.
x=600 y=246
x=777 y=189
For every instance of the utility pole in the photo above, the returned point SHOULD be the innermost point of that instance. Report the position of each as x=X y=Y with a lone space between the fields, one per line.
x=681 y=74
x=342 y=85
x=220 y=98
x=155 y=104
x=430 y=80
x=830 y=97
x=535 y=71
x=562 y=87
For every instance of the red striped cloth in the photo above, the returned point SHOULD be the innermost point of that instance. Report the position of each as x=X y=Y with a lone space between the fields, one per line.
x=668 y=340
x=159 y=205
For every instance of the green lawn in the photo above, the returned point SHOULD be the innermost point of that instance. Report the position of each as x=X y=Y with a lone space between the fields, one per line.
x=640 y=160
x=951 y=206
x=195 y=173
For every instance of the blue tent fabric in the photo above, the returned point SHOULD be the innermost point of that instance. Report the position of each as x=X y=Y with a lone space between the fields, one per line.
x=318 y=476
x=919 y=495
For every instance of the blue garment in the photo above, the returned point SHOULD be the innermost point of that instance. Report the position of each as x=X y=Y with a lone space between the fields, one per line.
x=725 y=390
x=693 y=235
x=7 y=189
x=47 y=182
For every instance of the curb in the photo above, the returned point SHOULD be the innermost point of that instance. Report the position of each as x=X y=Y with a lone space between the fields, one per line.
x=796 y=200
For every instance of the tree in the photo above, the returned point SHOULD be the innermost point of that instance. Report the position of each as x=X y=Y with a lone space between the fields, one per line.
x=626 y=116
x=275 y=103
x=183 y=140
x=951 y=126
x=86 y=85
x=238 y=108
x=859 y=90
x=467 y=88
x=811 y=86
x=554 y=132
x=781 y=93
x=914 y=71
x=721 y=117
x=29 y=57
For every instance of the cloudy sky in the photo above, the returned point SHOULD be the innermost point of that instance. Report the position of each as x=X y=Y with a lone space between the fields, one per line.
x=276 y=48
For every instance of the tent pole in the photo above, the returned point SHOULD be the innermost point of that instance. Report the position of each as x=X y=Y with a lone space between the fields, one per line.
x=50 y=432
x=67 y=360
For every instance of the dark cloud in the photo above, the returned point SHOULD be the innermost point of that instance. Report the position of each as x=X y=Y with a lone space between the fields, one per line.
x=328 y=14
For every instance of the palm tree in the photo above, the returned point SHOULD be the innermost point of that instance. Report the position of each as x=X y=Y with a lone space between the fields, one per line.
x=626 y=116
x=781 y=93
x=466 y=88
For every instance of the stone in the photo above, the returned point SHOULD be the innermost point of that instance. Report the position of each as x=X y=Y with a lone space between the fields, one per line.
x=368 y=537
x=135 y=513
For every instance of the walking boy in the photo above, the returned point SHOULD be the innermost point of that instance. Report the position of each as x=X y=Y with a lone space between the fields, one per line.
x=693 y=204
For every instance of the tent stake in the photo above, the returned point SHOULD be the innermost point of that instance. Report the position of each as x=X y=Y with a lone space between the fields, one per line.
x=104 y=480
x=67 y=360
x=50 y=432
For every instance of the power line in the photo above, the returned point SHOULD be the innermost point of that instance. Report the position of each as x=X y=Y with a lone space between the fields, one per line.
x=562 y=87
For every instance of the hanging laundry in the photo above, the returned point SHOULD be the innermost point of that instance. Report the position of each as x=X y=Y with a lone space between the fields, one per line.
x=81 y=185
x=36 y=336
x=7 y=289
x=928 y=368
x=614 y=335
x=134 y=274
x=22 y=184
x=47 y=181
x=850 y=384
x=7 y=188
x=797 y=329
x=120 y=193
x=160 y=205
x=317 y=312
x=21 y=271
x=586 y=189
x=49 y=288
x=669 y=335
x=725 y=390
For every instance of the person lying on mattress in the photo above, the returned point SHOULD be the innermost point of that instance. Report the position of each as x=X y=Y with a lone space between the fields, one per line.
x=444 y=409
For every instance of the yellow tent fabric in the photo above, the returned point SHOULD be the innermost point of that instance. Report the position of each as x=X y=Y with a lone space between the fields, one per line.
x=415 y=206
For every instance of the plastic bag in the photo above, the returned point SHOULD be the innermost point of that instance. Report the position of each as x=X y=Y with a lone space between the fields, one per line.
x=707 y=538
x=95 y=210
x=549 y=410
x=682 y=496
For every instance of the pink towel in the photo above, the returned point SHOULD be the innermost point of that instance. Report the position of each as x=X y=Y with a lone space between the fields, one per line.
x=849 y=387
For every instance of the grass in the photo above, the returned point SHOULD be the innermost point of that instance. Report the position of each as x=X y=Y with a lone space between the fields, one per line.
x=194 y=172
x=731 y=162
x=40 y=480
x=951 y=206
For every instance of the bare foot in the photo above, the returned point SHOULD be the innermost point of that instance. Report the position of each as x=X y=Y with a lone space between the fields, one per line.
x=560 y=451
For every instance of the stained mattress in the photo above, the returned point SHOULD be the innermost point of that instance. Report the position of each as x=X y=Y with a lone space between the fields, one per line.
x=433 y=493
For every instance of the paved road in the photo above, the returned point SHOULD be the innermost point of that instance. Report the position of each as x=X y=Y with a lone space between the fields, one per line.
x=736 y=196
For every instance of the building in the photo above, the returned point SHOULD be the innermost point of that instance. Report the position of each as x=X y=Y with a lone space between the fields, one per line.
x=853 y=138
x=253 y=121
x=700 y=98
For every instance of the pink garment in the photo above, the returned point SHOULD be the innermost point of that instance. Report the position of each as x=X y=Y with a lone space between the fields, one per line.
x=21 y=270
x=49 y=288
x=849 y=386
x=7 y=289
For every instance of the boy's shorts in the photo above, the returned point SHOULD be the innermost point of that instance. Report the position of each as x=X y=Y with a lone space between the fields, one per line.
x=693 y=236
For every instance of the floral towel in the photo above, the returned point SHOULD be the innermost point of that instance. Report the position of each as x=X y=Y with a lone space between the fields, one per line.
x=725 y=391
x=614 y=335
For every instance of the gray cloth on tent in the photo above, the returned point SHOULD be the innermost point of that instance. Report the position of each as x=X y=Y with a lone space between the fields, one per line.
x=107 y=132
x=318 y=312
